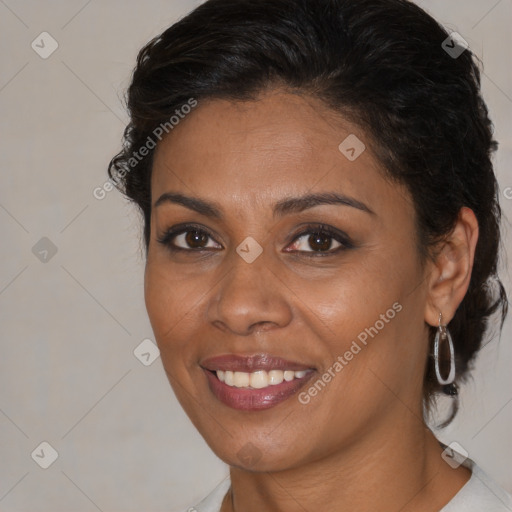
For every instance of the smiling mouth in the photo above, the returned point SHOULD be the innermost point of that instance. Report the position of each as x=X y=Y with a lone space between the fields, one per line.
x=254 y=382
x=254 y=398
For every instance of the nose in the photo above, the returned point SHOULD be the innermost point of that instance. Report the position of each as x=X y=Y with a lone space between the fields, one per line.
x=251 y=297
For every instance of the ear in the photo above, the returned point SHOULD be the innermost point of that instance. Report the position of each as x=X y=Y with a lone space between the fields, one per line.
x=450 y=272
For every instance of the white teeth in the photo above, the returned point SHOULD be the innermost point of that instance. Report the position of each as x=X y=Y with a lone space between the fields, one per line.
x=241 y=379
x=259 y=379
x=289 y=375
x=275 y=377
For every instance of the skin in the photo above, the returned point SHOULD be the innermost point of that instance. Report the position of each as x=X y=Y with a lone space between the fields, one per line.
x=365 y=429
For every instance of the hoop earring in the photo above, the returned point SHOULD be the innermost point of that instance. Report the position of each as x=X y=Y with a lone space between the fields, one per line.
x=444 y=334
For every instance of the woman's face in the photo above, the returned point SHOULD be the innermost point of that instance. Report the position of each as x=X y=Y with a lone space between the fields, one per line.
x=325 y=330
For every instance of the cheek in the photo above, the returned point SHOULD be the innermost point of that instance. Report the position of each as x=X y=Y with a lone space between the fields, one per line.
x=170 y=310
x=359 y=292
x=169 y=306
x=370 y=316
x=158 y=298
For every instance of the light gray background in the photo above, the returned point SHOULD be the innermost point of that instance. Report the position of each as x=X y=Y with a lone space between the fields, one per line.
x=68 y=374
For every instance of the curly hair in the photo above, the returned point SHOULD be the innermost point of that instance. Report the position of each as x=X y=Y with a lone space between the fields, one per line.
x=383 y=65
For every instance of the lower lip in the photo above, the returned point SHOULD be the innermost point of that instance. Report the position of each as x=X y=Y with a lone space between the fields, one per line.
x=248 y=399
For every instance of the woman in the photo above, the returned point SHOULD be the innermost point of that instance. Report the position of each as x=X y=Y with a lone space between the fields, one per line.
x=321 y=226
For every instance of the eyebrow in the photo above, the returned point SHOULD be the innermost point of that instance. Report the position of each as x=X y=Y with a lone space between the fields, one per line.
x=280 y=209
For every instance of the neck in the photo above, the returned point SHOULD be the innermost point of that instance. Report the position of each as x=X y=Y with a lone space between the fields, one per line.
x=401 y=469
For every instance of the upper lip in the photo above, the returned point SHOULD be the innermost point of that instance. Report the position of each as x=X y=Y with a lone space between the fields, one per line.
x=252 y=363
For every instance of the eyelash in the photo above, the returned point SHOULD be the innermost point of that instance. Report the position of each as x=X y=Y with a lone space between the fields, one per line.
x=310 y=229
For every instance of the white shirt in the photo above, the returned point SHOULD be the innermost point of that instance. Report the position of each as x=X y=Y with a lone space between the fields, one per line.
x=480 y=494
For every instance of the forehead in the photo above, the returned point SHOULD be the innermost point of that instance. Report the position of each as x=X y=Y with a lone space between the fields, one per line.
x=249 y=154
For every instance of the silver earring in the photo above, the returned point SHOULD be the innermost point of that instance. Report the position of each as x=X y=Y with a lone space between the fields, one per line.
x=443 y=334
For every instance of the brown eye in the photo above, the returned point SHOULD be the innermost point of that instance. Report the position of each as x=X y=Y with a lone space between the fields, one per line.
x=320 y=242
x=188 y=238
x=196 y=239
x=318 y=239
